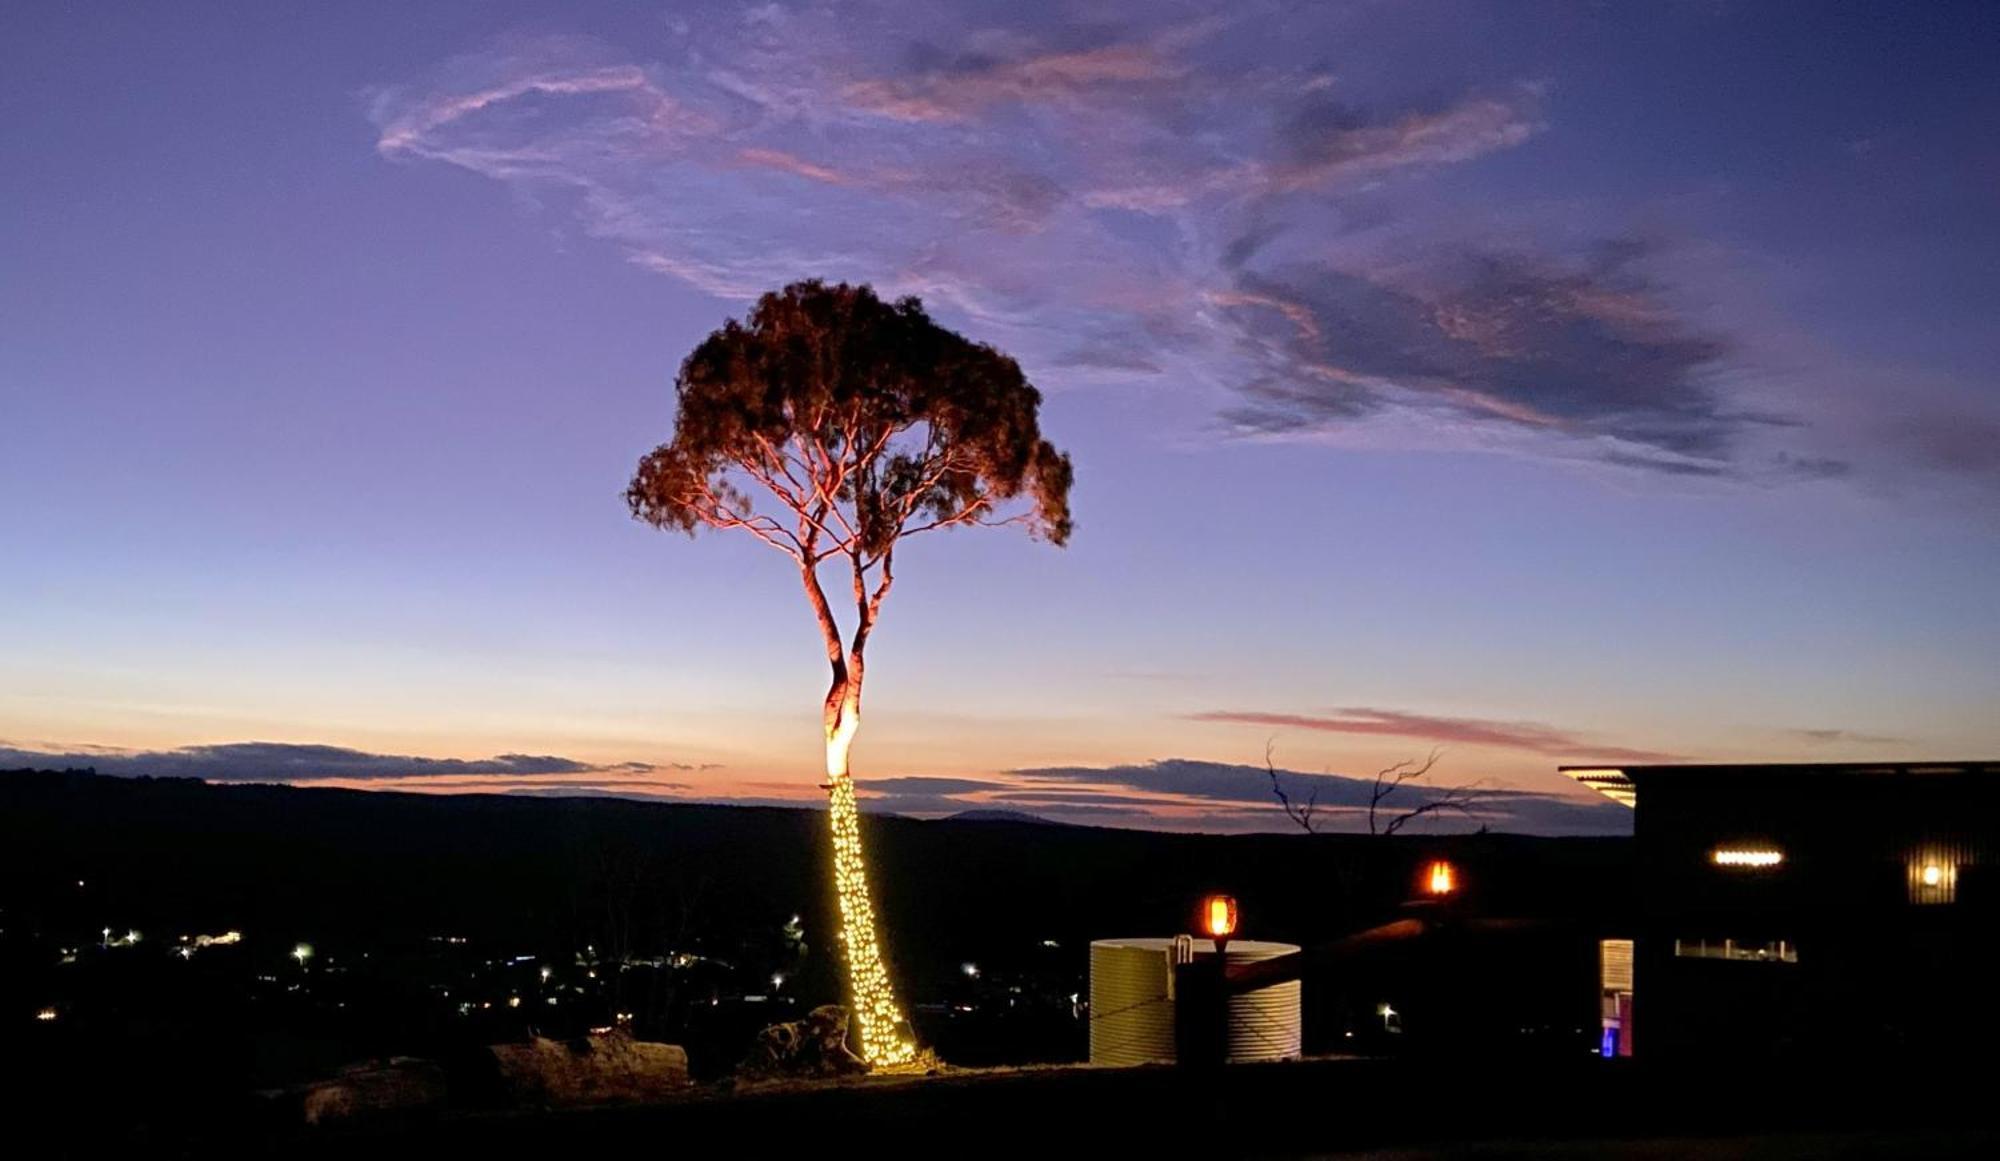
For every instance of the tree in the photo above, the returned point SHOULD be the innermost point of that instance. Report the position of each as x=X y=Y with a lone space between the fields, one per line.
x=864 y=423
x=1388 y=781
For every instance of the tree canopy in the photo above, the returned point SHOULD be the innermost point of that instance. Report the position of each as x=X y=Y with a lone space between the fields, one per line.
x=864 y=420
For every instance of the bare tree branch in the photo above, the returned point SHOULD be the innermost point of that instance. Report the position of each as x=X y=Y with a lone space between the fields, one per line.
x=1303 y=815
x=1390 y=779
x=1462 y=799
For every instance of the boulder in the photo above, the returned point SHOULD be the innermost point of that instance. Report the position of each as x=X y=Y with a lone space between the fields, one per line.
x=814 y=1046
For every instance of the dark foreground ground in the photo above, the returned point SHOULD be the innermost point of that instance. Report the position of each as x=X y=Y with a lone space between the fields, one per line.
x=1378 y=1108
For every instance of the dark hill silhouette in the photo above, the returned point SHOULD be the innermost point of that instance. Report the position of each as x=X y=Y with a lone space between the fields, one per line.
x=183 y=856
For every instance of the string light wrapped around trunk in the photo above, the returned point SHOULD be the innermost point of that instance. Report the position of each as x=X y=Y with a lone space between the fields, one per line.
x=883 y=1033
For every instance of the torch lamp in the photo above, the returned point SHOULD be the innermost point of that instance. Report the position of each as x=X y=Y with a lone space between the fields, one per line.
x=1440 y=879
x=1218 y=920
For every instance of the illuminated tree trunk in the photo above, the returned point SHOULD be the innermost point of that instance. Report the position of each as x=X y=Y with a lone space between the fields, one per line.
x=880 y=1027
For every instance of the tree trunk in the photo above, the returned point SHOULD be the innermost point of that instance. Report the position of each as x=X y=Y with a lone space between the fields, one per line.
x=884 y=1035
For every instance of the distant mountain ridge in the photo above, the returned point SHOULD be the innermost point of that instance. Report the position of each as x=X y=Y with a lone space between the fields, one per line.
x=996 y=814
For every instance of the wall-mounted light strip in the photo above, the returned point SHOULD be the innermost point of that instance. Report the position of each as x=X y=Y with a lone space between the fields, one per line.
x=1751 y=857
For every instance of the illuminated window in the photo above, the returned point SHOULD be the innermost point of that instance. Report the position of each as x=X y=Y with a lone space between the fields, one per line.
x=1614 y=964
x=1746 y=857
x=1752 y=951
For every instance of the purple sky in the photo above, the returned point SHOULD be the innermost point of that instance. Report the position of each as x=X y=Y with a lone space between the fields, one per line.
x=1543 y=382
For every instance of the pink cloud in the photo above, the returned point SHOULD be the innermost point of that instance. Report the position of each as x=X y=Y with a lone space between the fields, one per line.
x=1530 y=736
x=1458 y=133
x=797 y=166
x=1044 y=78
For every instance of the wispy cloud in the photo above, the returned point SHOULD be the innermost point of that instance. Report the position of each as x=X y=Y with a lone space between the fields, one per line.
x=1206 y=202
x=957 y=88
x=1443 y=731
x=1326 y=140
x=414 y=124
x=1836 y=737
x=1584 y=352
x=783 y=142
x=1318 y=148
x=783 y=162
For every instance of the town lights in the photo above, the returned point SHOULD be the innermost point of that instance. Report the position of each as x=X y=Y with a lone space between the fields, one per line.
x=1441 y=878
x=1218 y=919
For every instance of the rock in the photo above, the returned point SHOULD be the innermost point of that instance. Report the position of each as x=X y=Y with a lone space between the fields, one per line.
x=814 y=1046
x=399 y=1084
x=599 y=1069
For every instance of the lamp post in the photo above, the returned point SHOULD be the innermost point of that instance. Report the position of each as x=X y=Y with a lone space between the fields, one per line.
x=1201 y=996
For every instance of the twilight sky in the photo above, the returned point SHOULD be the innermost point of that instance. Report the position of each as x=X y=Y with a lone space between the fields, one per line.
x=1546 y=383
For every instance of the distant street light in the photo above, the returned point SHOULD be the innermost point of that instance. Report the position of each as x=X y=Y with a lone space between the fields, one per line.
x=302 y=953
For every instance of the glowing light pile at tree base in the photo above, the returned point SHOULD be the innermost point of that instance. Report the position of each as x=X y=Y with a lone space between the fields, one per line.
x=880 y=1028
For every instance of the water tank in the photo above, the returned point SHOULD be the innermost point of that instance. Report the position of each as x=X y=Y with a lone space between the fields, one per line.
x=1132 y=1003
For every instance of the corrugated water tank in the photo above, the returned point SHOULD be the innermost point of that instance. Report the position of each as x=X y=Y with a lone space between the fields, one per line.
x=1132 y=1003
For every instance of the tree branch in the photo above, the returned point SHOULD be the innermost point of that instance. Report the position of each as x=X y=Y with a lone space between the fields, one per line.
x=1303 y=815
x=1390 y=779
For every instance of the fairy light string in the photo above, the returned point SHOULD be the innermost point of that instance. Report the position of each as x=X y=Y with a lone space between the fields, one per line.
x=879 y=1024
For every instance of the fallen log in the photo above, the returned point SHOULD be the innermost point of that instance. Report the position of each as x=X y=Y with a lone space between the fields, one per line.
x=602 y=1068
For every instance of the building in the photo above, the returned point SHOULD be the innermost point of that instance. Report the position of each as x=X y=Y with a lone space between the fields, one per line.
x=1786 y=910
